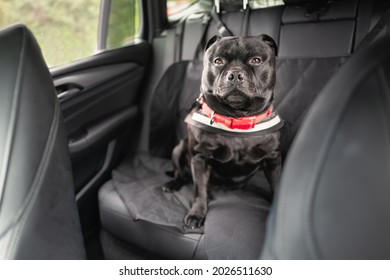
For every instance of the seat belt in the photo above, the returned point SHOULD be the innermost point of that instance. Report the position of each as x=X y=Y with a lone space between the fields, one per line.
x=245 y=23
x=196 y=25
x=179 y=39
x=223 y=31
x=201 y=32
x=383 y=22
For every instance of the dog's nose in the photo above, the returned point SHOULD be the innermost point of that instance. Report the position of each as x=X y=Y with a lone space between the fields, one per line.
x=235 y=76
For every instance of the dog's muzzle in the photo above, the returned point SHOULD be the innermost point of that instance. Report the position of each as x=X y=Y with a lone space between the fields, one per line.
x=235 y=76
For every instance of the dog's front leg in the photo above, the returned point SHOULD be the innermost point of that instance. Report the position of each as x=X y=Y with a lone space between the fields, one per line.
x=180 y=164
x=201 y=174
x=272 y=167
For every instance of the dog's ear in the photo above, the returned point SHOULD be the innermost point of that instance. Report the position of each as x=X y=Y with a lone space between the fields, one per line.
x=212 y=41
x=268 y=39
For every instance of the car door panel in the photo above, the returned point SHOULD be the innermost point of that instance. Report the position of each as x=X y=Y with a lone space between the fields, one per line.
x=110 y=92
x=100 y=133
x=99 y=98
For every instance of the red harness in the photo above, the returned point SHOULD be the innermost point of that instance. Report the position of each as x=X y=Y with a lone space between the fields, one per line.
x=240 y=123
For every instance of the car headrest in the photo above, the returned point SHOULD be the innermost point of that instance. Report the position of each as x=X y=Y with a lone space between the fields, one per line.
x=314 y=11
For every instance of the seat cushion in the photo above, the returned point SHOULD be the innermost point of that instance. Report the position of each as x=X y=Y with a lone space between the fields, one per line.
x=134 y=209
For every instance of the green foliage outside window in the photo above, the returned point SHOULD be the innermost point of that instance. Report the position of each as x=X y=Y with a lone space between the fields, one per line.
x=124 y=23
x=65 y=30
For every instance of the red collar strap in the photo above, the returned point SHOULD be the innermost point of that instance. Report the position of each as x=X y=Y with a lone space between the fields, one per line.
x=240 y=123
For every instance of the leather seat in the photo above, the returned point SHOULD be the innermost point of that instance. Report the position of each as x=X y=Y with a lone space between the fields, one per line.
x=333 y=197
x=38 y=214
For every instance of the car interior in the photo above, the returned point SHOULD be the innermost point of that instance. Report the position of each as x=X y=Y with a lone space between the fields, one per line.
x=85 y=148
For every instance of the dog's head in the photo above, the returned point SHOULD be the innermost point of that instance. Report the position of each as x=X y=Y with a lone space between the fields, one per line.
x=239 y=74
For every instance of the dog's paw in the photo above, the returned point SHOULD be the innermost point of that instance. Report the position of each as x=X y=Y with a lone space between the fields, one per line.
x=167 y=189
x=193 y=222
x=195 y=218
x=172 y=186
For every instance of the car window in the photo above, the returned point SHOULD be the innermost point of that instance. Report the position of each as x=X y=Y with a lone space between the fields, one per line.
x=68 y=30
x=124 y=24
x=254 y=4
x=175 y=7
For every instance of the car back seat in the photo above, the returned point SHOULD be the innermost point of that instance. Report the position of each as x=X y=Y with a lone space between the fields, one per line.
x=314 y=41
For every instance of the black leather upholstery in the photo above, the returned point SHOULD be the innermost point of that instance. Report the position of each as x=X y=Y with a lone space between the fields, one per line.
x=318 y=33
x=321 y=11
x=38 y=216
x=333 y=198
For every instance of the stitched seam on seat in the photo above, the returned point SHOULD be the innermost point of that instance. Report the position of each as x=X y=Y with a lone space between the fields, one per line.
x=132 y=219
x=196 y=247
x=12 y=122
x=25 y=209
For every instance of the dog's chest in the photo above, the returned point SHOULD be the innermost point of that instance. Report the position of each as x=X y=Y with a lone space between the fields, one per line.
x=235 y=150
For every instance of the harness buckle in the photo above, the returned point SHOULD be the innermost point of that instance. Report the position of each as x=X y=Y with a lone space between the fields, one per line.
x=199 y=100
x=212 y=118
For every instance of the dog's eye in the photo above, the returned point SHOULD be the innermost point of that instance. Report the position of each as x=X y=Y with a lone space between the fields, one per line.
x=255 y=60
x=218 y=61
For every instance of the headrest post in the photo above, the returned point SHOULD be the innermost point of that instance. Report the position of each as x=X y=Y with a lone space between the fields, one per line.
x=245 y=4
x=217 y=6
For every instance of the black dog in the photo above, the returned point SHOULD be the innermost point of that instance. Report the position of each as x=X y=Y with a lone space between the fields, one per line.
x=234 y=130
